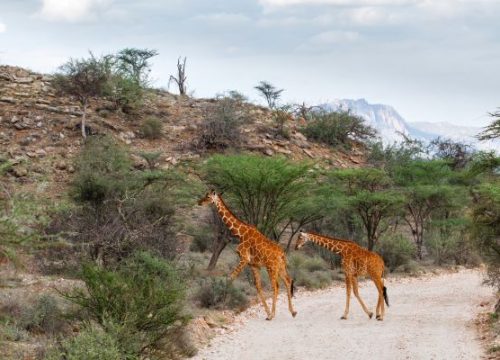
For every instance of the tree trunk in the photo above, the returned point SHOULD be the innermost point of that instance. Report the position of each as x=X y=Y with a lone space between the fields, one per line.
x=219 y=245
x=84 y=132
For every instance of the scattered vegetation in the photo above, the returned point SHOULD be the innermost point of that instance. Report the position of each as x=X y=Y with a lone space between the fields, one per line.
x=151 y=128
x=270 y=93
x=338 y=129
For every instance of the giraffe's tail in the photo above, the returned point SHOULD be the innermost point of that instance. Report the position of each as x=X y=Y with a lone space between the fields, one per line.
x=386 y=298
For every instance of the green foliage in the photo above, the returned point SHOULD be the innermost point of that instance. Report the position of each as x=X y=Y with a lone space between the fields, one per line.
x=396 y=250
x=133 y=64
x=310 y=272
x=45 y=316
x=270 y=93
x=280 y=116
x=125 y=92
x=92 y=343
x=221 y=293
x=491 y=131
x=151 y=128
x=265 y=191
x=337 y=128
x=101 y=170
x=144 y=296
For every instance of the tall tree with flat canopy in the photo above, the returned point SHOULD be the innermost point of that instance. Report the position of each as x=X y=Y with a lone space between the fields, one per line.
x=270 y=93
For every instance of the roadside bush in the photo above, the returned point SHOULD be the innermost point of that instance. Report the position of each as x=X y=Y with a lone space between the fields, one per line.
x=310 y=272
x=221 y=127
x=92 y=343
x=396 y=250
x=337 y=128
x=144 y=295
x=151 y=128
x=202 y=240
x=221 y=293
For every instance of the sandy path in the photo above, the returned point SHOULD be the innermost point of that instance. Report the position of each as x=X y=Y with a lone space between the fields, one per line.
x=429 y=318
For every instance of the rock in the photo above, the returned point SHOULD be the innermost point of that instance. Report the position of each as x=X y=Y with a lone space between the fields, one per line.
x=139 y=162
x=268 y=152
x=24 y=80
x=14 y=119
x=308 y=153
x=61 y=165
x=40 y=152
x=71 y=169
x=20 y=171
x=9 y=100
x=299 y=136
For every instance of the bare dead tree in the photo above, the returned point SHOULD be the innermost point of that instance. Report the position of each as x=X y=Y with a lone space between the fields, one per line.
x=181 y=78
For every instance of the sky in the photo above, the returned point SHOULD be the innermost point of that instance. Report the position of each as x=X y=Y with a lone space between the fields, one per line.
x=432 y=60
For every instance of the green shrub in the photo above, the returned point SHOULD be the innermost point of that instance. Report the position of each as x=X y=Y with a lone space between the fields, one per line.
x=396 y=250
x=102 y=169
x=151 y=128
x=92 y=343
x=337 y=128
x=144 y=295
x=310 y=272
x=221 y=293
x=45 y=316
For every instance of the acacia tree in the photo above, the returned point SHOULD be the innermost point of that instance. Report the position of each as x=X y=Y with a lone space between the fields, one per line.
x=270 y=193
x=270 y=93
x=425 y=186
x=134 y=63
x=369 y=196
x=83 y=79
x=492 y=131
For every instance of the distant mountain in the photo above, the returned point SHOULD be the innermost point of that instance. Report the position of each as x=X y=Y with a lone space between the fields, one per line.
x=391 y=126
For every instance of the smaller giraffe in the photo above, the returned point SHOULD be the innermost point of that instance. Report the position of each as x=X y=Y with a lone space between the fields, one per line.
x=256 y=251
x=356 y=261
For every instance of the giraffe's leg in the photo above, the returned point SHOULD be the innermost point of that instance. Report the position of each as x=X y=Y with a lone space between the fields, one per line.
x=288 y=284
x=258 y=285
x=380 y=303
x=239 y=268
x=348 y=283
x=356 y=293
x=273 y=276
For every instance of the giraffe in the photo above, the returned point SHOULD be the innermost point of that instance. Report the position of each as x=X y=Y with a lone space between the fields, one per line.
x=356 y=261
x=256 y=251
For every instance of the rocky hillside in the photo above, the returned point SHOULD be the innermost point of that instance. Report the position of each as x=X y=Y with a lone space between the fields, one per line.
x=39 y=131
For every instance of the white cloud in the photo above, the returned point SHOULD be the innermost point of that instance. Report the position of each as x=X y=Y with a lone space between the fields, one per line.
x=367 y=16
x=223 y=18
x=335 y=2
x=72 y=10
x=3 y=28
x=334 y=37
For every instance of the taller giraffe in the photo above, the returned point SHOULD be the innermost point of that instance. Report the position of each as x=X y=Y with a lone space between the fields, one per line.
x=356 y=261
x=256 y=251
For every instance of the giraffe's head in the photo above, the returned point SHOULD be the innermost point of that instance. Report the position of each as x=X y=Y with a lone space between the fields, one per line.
x=301 y=240
x=209 y=198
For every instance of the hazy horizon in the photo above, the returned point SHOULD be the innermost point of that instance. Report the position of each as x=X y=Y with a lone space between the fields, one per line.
x=431 y=61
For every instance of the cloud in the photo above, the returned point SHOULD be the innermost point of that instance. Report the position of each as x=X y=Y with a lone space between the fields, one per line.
x=3 y=28
x=334 y=37
x=282 y=3
x=369 y=16
x=223 y=18
x=72 y=10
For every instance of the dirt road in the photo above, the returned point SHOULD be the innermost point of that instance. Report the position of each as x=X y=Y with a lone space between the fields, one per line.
x=429 y=318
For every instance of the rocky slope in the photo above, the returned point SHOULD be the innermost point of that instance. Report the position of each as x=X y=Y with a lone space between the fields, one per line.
x=39 y=131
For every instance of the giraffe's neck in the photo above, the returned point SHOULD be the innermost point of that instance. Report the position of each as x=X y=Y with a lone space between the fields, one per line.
x=235 y=225
x=337 y=246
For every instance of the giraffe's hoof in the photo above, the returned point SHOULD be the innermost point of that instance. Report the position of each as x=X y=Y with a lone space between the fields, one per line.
x=269 y=318
x=379 y=318
x=343 y=317
x=370 y=315
x=294 y=313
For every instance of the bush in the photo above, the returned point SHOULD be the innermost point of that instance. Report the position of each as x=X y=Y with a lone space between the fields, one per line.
x=337 y=128
x=221 y=293
x=202 y=241
x=396 y=250
x=92 y=343
x=310 y=272
x=221 y=128
x=144 y=297
x=151 y=128
x=45 y=316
